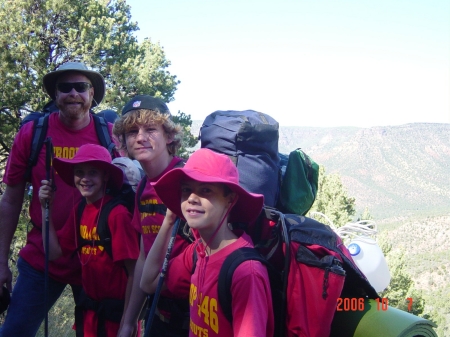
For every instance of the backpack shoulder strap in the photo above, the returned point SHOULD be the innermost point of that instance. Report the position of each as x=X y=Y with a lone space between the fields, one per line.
x=40 y=127
x=102 y=130
x=103 y=230
x=80 y=210
x=141 y=188
x=230 y=264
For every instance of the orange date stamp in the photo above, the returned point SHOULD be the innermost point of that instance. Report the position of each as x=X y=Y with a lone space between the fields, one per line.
x=358 y=304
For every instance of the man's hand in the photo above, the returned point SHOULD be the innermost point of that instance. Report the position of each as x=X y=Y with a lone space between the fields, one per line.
x=5 y=277
x=10 y=206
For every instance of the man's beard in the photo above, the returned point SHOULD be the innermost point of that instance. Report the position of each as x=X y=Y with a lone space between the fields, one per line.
x=74 y=111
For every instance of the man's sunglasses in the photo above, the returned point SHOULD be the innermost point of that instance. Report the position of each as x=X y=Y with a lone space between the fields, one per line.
x=78 y=86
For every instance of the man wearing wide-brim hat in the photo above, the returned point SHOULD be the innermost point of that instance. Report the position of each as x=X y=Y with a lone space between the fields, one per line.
x=52 y=79
x=75 y=89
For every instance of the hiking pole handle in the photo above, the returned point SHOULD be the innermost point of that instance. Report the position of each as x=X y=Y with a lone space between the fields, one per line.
x=48 y=166
x=151 y=314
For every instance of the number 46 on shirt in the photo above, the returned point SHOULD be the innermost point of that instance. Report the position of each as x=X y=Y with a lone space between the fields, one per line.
x=207 y=308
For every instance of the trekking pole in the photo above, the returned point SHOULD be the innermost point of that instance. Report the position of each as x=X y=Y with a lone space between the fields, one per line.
x=161 y=278
x=48 y=164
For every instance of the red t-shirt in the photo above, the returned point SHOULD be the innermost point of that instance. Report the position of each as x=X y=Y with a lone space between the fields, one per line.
x=66 y=143
x=148 y=224
x=251 y=297
x=102 y=276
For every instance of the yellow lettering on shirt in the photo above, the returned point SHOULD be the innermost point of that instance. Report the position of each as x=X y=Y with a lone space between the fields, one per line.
x=149 y=202
x=203 y=309
x=152 y=229
x=57 y=151
x=207 y=308
x=145 y=214
x=198 y=331
x=64 y=152
x=88 y=250
x=192 y=294
x=88 y=234
x=213 y=318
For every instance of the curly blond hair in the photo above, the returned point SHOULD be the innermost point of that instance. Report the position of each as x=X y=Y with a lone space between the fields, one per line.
x=144 y=117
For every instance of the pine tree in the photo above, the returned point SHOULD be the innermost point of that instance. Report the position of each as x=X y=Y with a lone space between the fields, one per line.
x=332 y=199
x=37 y=36
x=401 y=292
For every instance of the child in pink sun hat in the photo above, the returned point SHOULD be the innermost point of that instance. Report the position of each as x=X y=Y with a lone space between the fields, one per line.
x=206 y=193
x=103 y=274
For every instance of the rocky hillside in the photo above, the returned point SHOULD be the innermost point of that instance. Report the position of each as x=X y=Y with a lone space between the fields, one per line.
x=402 y=174
x=393 y=170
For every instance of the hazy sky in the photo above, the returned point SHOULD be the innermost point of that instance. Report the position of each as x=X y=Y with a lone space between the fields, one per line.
x=305 y=62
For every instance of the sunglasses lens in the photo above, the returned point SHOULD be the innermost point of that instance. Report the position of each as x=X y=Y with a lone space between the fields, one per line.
x=64 y=87
x=81 y=86
x=78 y=86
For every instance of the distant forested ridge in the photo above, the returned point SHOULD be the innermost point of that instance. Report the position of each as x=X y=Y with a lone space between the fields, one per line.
x=394 y=171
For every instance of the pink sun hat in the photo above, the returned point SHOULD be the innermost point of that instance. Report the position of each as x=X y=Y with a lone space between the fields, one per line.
x=93 y=154
x=208 y=166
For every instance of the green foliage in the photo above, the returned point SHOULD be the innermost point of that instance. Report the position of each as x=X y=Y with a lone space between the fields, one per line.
x=332 y=199
x=189 y=140
x=401 y=291
x=365 y=215
x=37 y=36
x=425 y=243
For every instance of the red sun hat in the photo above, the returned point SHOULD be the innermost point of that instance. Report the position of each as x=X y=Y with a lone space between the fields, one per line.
x=208 y=166
x=93 y=154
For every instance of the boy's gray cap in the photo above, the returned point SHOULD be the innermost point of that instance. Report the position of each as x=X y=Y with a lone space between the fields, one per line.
x=146 y=102
x=97 y=80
